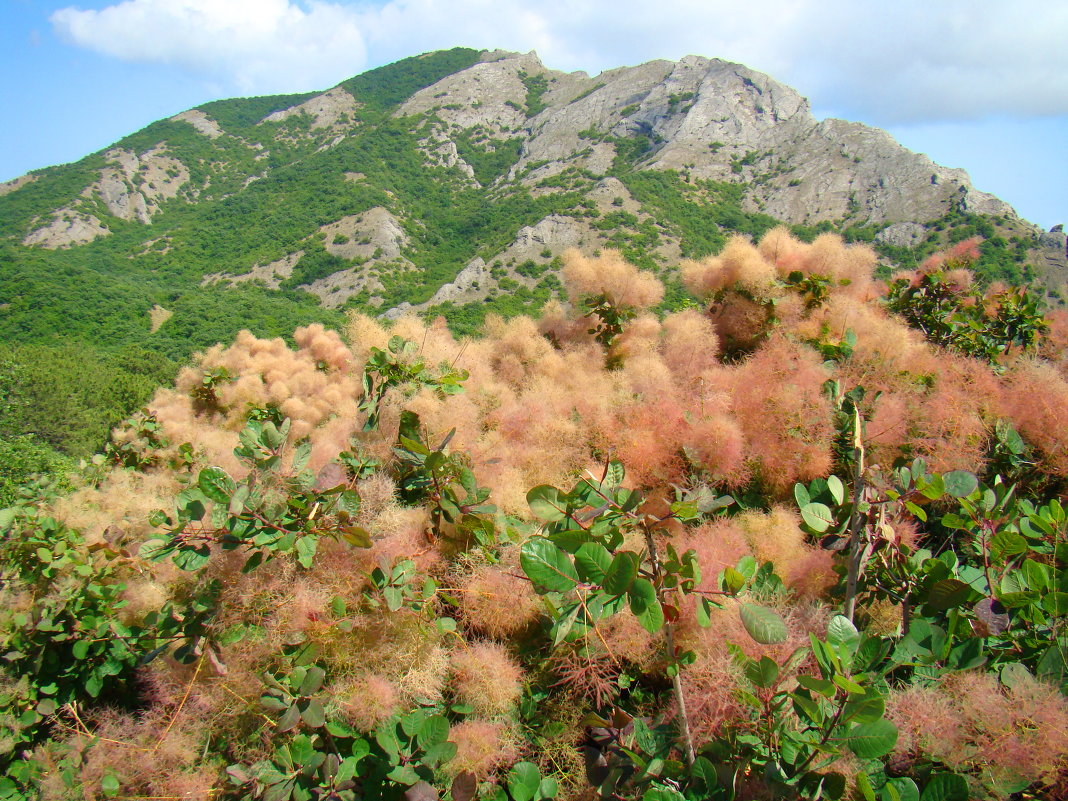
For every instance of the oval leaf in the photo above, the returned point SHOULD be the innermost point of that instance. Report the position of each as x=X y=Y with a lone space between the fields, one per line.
x=764 y=625
x=842 y=632
x=945 y=787
x=901 y=789
x=592 y=560
x=948 y=593
x=464 y=786
x=547 y=566
x=546 y=503
x=836 y=488
x=872 y=740
x=421 y=791
x=817 y=516
x=216 y=484
x=313 y=714
x=621 y=573
x=960 y=483
x=523 y=781
x=645 y=605
x=435 y=729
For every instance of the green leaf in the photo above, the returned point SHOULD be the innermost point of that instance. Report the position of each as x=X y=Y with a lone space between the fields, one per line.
x=932 y=487
x=404 y=774
x=94 y=683
x=960 y=483
x=615 y=474
x=1037 y=575
x=967 y=655
x=313 y=680
x=312 y=713
x=817 y=516
x=872 y=740
x=644 y=737
x=442 y=752
x=945 y=787
x=216 y=484
x=763 y=673
x=356 y=536
x=948 y=594
x=843 y=634
x=706 y=772
x=621 y=573
x=901 y=789
x=1056 y=603
x=1014 y=600
x=733 y=581
x=864 y=787
x=306 y=547
x=435 y=729
x=386 y=737
x=280 y=792
x=1007 y=544
x=645 y=605
x=1014 y=673
x=592 y=560
x=704 y=612
x=547 y=566
x=801 y=495
x=110 y=785
x=836 y=488
x=547 y=503
x=523 y=781
x=807 y=709
x=289 y=720
x=848 y=685
x=763 y=625
x=865 y=710
x=564 y=623
x=747 y=566
x=301 y=454
x=273 y=704
x=1053 y=665
x=191 y=558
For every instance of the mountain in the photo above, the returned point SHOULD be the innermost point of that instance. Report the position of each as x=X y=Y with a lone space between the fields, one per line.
x=454 y=178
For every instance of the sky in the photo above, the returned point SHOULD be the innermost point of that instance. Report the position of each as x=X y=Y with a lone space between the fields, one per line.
x=978 y=84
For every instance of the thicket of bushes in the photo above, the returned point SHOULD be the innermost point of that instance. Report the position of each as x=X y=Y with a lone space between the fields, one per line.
x=779 y=543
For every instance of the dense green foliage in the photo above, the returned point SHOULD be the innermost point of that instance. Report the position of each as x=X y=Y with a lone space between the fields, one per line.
x=69 y=396
x=240 y=114
x=23 y=461
x=702 y=213
x=387 y=86
x=489 y=158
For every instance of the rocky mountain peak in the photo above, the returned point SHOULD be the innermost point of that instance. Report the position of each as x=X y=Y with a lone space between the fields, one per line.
x=460 y=176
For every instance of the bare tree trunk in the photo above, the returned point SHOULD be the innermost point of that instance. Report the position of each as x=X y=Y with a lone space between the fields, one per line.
x=859 y=546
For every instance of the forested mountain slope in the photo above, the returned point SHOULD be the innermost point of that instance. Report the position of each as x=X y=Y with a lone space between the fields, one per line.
x=448 y=183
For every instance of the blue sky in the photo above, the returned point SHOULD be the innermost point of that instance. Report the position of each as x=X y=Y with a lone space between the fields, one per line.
x=978 y=84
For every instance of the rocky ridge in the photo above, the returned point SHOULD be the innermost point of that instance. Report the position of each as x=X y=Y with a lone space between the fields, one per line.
x=702 y=119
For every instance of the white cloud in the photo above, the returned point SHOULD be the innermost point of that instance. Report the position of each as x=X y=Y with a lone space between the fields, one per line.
x=899 y=62
x=257 y=46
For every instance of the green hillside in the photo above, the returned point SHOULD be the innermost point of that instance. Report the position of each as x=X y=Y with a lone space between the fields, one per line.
x=249 y=193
